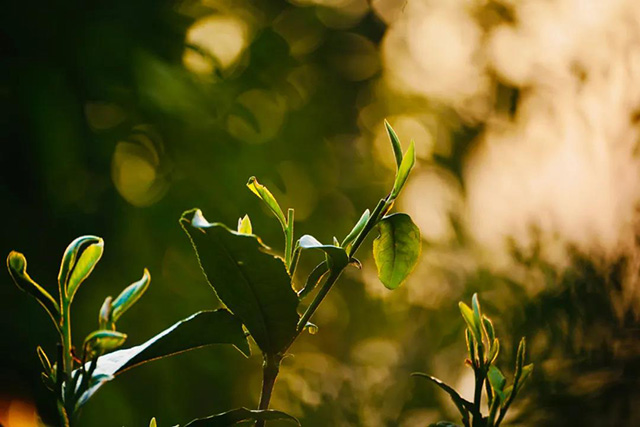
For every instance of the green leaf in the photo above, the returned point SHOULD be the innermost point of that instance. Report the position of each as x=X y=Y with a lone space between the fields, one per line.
x=357 y=229
x=235 y=416
x=526 y=373
x=494 y=350
x=84 y=266
x=153 y=422
x=443 y=424
x=467 y=315
x=129 y=296
x=244 y=225
x=397 y=249
x=313 y=279
x=488 y=327
x=252 y=283
x=265 y=195
x=395 y=143
x=17 y=265
x=463 y=405
x=44 y=360
x=199 y=330
x=74 y=258
x=102 y=341
x=496 y=378
x=520 y=355
x=404 y=169
x=104 y=316
x=338 y=258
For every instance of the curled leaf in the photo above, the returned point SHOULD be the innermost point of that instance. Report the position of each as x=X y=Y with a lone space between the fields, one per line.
x=44 y=360
x=129 y=296
x=17 y=265
x=102 y=341
x=104 y=316
x=265 y=195
x=78 y=261
x=337 y=256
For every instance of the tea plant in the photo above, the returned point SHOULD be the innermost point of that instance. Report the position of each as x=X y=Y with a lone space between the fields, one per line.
x=77 y=374
x=483 y=347
x=258 y=288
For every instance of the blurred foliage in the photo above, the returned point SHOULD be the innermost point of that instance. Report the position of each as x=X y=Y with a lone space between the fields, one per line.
x=117 y=116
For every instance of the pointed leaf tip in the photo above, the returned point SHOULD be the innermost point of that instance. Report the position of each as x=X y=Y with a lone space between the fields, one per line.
x=129 y=296
x=395 y=143
x=265 y=195
x=404 y=169
x=244 y=225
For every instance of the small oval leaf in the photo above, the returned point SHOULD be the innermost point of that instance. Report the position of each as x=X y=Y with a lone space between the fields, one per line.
x=395 y=143
x=129 y=296
x=338 y=257
x=104 y=317
x=397 y=249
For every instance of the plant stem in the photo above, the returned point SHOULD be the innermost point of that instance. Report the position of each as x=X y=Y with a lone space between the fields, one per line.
x=288 y=244
x=270 y=370
x=67 y=360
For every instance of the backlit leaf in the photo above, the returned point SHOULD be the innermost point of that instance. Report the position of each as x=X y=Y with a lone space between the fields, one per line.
x=463 y=405
x=199 y=330
x=395 y=143
x=338 y=257
x=73 y=257
x=265 y=195
x=397 y=249
x=17 y=265
x=244 y=225
x=252 y=283
x=404 y=169
x=236 y=416
x=357 y=229
x=129 y=296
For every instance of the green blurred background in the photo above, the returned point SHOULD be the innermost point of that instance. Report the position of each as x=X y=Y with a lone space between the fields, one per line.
x=117 y=116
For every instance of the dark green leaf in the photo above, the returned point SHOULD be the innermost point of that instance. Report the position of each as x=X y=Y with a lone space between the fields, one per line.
x=252 y=283
x=357 y=229
x=408 y=161
x=199 y=330
x=74 y=258
x=313 y=279
x=463 y=405
x=265 y=195
x=239 y=415
x=397 y=249
x=129 y=296
x=395 y=143
x=496 y=378
x=17 y=265
x=338 y=258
